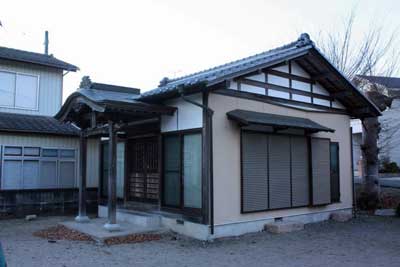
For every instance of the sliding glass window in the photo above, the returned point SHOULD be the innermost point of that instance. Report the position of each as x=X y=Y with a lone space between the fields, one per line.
x=182 y=171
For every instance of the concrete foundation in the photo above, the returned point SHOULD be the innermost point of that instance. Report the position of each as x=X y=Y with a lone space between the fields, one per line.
x=283 y=227
x=202 y=232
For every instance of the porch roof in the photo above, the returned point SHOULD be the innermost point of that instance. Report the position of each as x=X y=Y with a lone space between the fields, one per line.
x=120 y=103
x=246 y=118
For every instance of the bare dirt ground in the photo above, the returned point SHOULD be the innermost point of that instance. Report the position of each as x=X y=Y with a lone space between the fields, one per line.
x=365 y=241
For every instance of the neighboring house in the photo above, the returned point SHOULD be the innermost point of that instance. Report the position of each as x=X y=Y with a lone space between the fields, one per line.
x=223 y=151
x=38 y=155
x=389 y=136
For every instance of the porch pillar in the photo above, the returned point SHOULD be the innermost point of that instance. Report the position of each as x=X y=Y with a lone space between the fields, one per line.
x=112 y=225
x=82 y=217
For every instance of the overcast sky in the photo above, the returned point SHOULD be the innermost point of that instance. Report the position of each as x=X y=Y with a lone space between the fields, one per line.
x=137 y=43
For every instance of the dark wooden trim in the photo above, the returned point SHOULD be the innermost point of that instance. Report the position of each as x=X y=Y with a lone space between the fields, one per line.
x=338 y=162
x=82 y=174
x=290 y=76
x=310 y=170
x=1 y=165
x=48 y=189
x=279 y=101
x=112 y=174
x=352 y=174
x=285 y=89
x=290 y=79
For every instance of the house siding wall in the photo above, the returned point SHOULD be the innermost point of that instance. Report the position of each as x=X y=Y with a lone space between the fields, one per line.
x=226 y=160
x=50 y=87
x=59 y=142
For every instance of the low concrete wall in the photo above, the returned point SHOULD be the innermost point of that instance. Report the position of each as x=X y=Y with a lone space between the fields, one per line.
x=44 y=201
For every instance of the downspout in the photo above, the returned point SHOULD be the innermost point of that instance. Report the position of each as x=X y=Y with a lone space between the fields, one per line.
x=209 y=113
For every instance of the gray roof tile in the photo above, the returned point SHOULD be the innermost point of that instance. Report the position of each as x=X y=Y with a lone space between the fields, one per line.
x=11 y=122
x=250 y=117
x=219 y=73
x=35 y=58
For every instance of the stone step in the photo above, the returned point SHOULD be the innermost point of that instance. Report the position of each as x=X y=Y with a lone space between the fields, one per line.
x=135 y=217
x=279 y=227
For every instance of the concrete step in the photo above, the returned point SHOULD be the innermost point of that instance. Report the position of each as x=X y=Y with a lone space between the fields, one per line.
x=134 y=217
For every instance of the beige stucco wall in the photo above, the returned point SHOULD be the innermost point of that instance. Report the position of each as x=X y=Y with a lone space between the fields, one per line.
x=226 y=160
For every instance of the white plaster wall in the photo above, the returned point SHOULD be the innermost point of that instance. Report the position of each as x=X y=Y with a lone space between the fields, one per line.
x=226 y=149
x=252 y=89
x=299 y=71
x=187 y=116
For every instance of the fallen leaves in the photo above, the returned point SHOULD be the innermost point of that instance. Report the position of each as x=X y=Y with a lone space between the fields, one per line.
x=134 y=238
x=62 y=233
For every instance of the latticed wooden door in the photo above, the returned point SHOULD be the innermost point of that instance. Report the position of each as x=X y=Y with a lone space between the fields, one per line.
x=143 y=171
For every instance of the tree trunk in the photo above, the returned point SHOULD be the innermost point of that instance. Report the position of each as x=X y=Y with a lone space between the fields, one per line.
x=369 y=149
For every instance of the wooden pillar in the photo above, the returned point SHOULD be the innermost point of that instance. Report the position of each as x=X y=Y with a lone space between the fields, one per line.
x=82 y=217
x=112 y=225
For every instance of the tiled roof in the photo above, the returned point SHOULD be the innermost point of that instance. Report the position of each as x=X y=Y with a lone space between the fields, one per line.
x=11 y=122
x=222 y=72
x=35 y=58
x=389 y=82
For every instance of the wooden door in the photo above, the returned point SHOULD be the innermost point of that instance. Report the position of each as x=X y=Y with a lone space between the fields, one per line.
x=143 y=170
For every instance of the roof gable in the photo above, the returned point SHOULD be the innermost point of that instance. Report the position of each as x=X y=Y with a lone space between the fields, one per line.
x=302 y=51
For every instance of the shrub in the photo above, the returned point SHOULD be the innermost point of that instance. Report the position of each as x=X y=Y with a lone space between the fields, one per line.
x=398 y=210
x=388 y=166
x=367 y=201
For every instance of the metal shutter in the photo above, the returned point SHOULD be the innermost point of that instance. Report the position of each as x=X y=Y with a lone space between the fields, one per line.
x=254 y=171
x=279 y=172
x=321 y=182
x=300 y=174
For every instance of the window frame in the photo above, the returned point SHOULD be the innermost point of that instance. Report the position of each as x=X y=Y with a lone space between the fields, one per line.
x=22 y=158
x=14 y=106
x=193 y=212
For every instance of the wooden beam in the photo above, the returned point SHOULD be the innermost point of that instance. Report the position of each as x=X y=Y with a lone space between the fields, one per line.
x=342 y=94
x=321 y=76
x=82 y=217
x=284 y=89
x=112 y=225
x=290 y=76
x=360 y=111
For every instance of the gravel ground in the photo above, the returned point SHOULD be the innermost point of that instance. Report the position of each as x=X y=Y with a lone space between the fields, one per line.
x=365 y=241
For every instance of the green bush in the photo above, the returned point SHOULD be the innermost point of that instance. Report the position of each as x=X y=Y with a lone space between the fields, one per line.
x=366 y=201
x=388 y=166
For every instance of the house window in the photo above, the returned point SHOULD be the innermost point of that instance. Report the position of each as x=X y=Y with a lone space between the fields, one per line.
x=56 y=168
x=19 y=90
x=276 y=171
x=182 y=171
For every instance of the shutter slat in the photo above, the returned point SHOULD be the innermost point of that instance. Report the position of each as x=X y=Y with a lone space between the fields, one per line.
x=321 y=184
x=279 y=171
x=300 y=174
x=254 y=172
